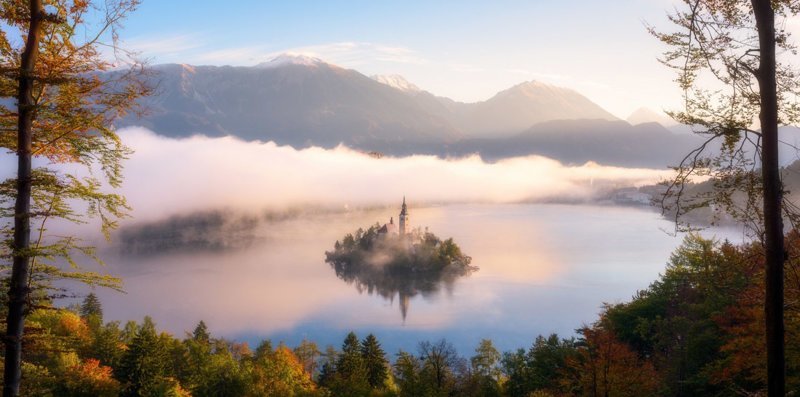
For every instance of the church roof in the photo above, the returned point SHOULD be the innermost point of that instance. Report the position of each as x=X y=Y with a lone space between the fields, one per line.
x=388 y=228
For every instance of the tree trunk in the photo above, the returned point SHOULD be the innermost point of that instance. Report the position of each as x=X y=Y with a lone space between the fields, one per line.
x=18 y=293
x=773 y=224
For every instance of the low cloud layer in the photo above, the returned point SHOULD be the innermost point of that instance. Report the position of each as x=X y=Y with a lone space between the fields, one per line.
x=166 y=176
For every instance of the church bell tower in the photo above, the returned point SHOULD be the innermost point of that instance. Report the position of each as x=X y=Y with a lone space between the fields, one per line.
x=403 y=218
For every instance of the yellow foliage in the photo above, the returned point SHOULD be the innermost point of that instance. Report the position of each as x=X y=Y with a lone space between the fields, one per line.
x=90 y=378
x=280 y=373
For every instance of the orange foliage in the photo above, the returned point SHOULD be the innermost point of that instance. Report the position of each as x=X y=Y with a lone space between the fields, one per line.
x=282 y=373
x=91 y=378
x=605 y=366
x=743 y=323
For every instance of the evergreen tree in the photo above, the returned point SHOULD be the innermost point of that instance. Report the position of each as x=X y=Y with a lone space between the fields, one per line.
x=407 y=370
x=143 y=365
x=351 y=376
x=106 y=345
x=129 y=332
x=541 y=368
x=200 y=333
x=91 y=307
x=92 y=312
x=375 y=363
x=264 y=349
x=327 y=372
x=198 y=356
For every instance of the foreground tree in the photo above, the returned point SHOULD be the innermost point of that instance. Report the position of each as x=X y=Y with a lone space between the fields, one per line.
x=63 y=114
x=375 y=364
x=441 y=366
x=351 y=372
x=730 y=46
x=143 y=368
x=540 y=369
x=603 y=366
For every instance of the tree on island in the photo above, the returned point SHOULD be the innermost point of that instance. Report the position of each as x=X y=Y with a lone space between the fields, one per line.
x=730 y=46
x=403 y=265
x=50 y=60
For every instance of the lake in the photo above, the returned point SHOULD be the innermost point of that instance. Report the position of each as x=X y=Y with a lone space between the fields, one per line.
x=544 y=268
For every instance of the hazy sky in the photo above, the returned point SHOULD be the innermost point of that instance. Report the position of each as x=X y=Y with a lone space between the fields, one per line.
x=466 y=50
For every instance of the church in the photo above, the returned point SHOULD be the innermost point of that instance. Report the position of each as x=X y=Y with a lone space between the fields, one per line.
x=390 y=228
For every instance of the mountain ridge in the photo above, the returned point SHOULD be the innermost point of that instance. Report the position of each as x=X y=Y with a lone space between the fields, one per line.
x=304 y=101
x=507 y=112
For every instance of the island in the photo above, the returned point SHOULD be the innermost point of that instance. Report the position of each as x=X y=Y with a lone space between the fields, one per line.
x=397 y=260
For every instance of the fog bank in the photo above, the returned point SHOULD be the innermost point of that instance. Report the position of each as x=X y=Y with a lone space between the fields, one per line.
x=166 y=176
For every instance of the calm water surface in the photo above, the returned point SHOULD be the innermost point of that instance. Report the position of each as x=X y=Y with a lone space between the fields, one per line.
x=543 y=269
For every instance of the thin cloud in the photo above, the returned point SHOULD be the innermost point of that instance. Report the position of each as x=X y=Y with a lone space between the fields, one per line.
x=159 y=47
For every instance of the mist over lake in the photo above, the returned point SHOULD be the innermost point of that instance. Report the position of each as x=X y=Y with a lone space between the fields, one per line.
x=543 y=268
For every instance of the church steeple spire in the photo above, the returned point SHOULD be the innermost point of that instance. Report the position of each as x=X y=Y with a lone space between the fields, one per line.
x=403 y=217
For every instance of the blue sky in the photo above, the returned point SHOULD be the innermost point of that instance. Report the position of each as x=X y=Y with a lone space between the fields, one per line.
x=466 y=50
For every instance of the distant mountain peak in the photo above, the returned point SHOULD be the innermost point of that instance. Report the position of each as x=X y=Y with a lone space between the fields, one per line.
x=396 y=81
x=292 y=59
x=533 y=83
x=647 y=115
x=534 y=87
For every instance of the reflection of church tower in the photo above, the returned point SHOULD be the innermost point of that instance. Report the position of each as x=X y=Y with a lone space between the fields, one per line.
x=404 y=218
x=404 y=305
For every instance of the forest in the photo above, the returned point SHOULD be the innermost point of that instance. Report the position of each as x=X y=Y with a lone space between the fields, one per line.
x=697 y=330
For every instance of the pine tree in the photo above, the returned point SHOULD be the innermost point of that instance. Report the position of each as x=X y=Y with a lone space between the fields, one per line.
x=327 y=371
x=198 y=356
x=107 y=345
x=144 y=363
x=91 y=307
x=200 y=333
x=407 y=370
x=375 y=363
x=264 y=349
x=351 y=376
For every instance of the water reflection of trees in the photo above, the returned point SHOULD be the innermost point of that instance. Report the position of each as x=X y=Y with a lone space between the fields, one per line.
x=392 y=266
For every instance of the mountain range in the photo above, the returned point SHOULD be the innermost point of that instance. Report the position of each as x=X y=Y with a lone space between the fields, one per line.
x=302 y=101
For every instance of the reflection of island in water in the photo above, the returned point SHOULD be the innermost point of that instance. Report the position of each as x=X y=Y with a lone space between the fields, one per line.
x=390 y=261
